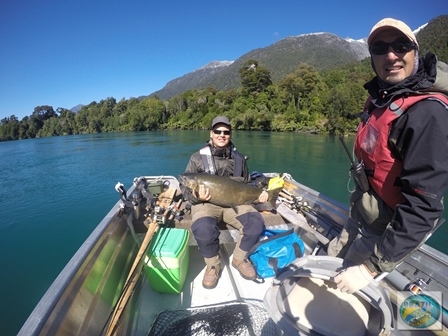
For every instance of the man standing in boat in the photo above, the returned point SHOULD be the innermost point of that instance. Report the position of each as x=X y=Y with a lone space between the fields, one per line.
x=220 y=157
x=402 y=141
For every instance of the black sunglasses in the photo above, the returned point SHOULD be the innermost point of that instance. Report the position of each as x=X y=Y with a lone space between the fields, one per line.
x=218 y=132
x=399 y=46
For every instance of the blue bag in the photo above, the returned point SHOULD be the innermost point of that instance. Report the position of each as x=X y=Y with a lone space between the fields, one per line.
x=270 y=255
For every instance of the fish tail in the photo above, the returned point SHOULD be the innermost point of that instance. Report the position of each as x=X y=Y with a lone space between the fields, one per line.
x=273 y=194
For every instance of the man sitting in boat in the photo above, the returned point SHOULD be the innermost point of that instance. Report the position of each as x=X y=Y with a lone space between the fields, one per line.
x=221 y=158
x=402 y=141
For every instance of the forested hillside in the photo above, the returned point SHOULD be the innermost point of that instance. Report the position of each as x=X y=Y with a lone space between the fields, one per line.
x=305 y=100
x=323 y=51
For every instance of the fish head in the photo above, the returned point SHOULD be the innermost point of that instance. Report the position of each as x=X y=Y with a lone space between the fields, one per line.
x=189 y=181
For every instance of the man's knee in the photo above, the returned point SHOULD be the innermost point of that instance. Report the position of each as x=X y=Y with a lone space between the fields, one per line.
x=334 y=247
x=205 y=228
x=253 y=226
x=252 y=222
x=340 y=244
x=206 y=234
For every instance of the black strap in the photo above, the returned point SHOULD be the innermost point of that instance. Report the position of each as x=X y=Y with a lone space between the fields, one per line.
x=273 y=237
x=297 y=250
x=274 y=264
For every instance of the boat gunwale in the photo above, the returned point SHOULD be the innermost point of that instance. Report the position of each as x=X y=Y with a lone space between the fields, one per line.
x=39 y=315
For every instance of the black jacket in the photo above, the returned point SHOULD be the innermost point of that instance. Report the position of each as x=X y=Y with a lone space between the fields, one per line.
x=419 y=138
x=224 y=159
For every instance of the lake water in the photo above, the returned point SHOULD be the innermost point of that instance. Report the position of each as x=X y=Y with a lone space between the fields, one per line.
x=54 y=191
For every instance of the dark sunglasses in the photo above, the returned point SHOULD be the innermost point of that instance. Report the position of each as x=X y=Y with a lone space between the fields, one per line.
x=381 y=48
x=218 y=132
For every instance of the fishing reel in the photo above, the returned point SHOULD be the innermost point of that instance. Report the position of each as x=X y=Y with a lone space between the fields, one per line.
x=291 y=201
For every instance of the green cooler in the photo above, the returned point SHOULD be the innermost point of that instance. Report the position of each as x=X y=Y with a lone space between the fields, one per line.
x=166 y=262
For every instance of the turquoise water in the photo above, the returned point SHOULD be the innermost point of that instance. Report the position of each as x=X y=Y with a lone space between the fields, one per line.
x=54 y=191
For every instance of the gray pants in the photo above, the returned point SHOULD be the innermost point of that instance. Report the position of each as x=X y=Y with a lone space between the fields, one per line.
x=355 y=243
x=369 y=218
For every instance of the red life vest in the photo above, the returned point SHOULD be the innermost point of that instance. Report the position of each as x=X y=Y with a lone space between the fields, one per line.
x=372 y=149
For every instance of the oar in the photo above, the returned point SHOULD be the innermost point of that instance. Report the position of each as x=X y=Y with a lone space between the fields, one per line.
x=131 y=279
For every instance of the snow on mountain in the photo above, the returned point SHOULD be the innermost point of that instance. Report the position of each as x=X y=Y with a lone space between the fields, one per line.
x=216 y=64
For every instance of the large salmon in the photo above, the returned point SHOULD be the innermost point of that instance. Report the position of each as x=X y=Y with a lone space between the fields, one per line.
x=226 y=191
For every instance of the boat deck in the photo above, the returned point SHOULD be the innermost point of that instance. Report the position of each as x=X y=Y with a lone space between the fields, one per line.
x=231 y=288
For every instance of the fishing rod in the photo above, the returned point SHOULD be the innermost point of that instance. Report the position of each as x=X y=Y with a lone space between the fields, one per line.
x=357 y=170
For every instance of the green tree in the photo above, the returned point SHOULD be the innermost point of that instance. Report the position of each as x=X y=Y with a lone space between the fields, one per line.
x=254 y=78
x=300 y=84
x=9 y=128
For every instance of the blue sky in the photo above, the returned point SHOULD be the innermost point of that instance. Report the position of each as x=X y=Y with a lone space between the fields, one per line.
x=68 y=52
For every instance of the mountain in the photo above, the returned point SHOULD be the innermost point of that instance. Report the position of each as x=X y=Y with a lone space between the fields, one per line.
x=77 y=108
x=199 y=78
x=322 y=50
x=434 y=37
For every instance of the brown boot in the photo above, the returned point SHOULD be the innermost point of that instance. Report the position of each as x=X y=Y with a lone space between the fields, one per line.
x=245 y=267
x=211 y=276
